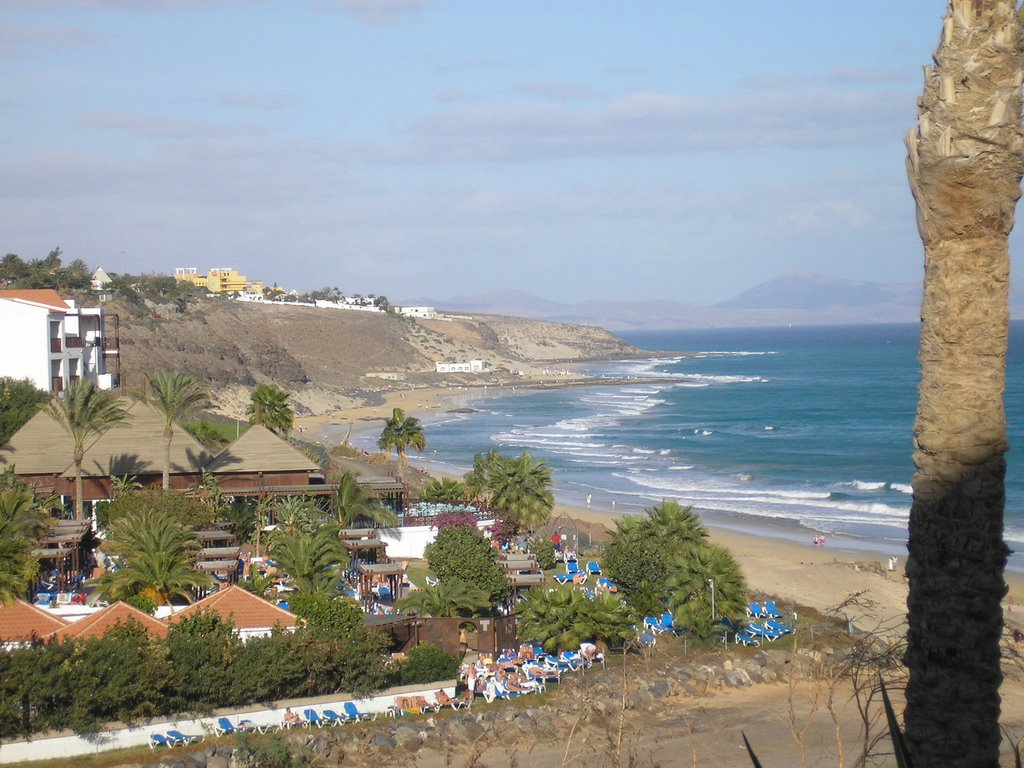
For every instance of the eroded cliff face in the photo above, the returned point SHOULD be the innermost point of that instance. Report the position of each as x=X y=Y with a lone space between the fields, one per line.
x=328 y=358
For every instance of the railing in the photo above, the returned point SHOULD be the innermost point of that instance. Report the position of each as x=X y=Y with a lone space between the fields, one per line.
x=56 y=346
x=74 y=342
x=57 y=384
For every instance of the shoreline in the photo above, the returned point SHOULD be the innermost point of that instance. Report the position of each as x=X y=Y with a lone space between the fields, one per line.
x=777 y=558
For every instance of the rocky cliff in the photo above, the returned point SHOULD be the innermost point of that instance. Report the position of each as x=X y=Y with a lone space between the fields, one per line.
x=332 y=358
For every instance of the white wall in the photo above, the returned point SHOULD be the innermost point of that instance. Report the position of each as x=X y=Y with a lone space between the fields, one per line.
x=66 y=745
x=26 y=346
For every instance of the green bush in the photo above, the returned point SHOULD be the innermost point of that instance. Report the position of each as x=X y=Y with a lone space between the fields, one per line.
x=427 y=663
x=545 y=552
x=269 y=751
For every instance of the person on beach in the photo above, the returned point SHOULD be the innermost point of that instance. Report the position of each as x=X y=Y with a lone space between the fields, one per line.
x=290 y=718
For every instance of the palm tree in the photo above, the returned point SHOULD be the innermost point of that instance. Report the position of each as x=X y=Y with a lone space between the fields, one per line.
x=678 y=526
x=521 y=488
x=965 y=166
x=176 y=395
x=269 y=406
x=564 y=618
x=477 y=480
x=123 y=484
x=17 y=566
x=401 y=433
x=295 y=515
x=158 y=558
x=313 y=560
x=28 y=519
x=446 y=599
x=706 y=572
x=351 y=503
x=444 y=489
x=85 y=412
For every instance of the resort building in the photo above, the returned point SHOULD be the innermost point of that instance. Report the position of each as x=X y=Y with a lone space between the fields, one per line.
x=53 y=342
x=250 y=615
x=425 y=313
x=22 y=623
x=471 y=366
x=219 y=280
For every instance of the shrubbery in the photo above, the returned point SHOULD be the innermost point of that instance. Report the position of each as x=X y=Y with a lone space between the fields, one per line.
x=202 y=665
x=426 y=664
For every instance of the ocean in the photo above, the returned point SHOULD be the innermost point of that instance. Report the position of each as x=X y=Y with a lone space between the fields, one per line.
x=784 y=432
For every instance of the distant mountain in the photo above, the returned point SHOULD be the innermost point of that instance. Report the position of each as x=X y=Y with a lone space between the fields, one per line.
x=808 y=291
x=793 y=298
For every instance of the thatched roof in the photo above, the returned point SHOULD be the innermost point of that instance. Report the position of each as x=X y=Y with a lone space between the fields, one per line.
x=260 y=450
x=137 y=448
x=41 y=447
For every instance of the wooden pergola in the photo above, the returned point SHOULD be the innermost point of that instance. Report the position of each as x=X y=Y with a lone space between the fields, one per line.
x=374 y=572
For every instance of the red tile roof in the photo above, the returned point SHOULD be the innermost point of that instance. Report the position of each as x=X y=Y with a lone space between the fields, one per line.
x=246 y=610
x=20 y=622
x=45 y=296
x=101 y=622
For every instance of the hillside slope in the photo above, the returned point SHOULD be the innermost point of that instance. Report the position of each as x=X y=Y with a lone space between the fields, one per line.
x=331 y=358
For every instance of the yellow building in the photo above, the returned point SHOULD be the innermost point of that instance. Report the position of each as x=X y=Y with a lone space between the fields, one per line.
x=190 y=275
x=219 y=280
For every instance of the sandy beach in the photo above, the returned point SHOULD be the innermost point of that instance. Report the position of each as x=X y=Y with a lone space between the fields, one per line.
x=778 y=566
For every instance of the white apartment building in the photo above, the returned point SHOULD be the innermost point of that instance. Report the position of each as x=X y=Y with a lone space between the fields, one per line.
x=427 y=313
x=53 y=342
x=472 y=366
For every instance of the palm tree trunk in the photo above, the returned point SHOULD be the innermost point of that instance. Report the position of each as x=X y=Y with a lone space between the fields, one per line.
x=168 y=436
x=79 y=491
x=964 y=165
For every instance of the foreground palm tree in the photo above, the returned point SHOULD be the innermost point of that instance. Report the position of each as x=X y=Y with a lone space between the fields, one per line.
x=176 y=395
x=85 y=412
x=269 y=406
x=401 y=433
x=965 y=167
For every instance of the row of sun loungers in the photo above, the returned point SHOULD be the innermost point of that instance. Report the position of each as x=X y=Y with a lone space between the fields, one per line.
x=171 y=739
x=574 y=572
x=754 y=633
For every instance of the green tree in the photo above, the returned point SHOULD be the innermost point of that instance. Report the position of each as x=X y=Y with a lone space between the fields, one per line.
x=461 y=553
x=965 y=165
x=312 y=560
x=203 y=650
x=351 y=503
x=446 y=599
x=401 y=433
x=158 y=559
x=478 y=479
x=176 y=396
x=295 y=515
x=186 y=511
x=17 y=566
x=332 y=616
x=564 y=618
x=427 y=663
x=444 y=489
x=690 y=588
x=26 y=515
x=20 y=400
x=640 y=566
x=85 y=412
x=269 y=406
x=521 y=489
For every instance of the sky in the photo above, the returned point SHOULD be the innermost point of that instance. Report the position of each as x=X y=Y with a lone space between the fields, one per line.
x=574 y=149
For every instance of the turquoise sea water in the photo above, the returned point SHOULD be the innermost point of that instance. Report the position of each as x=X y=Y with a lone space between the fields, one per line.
x=786 y=431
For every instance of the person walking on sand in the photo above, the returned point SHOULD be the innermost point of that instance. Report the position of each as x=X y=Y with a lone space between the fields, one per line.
x=589 y=499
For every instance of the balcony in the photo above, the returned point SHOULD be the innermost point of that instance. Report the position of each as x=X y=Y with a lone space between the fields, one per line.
x=74 y=342
x=57 y=384
x=55 y=346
